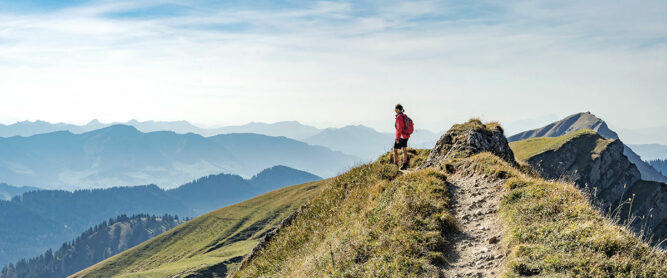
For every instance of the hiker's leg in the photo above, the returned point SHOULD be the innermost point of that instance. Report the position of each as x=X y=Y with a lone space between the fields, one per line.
x=405 y=155
x=395 y=156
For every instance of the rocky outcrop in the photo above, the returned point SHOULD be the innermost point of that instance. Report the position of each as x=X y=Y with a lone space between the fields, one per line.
x=599 y=167
x=577 y=160
x=587 y=120
x=467 y=139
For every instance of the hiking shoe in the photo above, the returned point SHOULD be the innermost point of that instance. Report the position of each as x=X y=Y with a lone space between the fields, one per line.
x=404 y=166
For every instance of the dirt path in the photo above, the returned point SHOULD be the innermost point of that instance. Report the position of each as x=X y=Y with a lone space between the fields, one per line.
x=474 y=250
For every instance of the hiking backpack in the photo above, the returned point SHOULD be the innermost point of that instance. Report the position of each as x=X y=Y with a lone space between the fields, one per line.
x=409 y=126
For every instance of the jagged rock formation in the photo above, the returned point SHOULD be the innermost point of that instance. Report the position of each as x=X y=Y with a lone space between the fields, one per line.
x=470 y=138
x=587 y=120
x=598 y=166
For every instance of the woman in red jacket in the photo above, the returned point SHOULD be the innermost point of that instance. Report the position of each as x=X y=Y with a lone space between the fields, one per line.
x=402 y=137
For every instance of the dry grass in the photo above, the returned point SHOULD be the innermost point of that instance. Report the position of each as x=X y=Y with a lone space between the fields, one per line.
x=369 y=222
x=415 y=157
x=553 y=230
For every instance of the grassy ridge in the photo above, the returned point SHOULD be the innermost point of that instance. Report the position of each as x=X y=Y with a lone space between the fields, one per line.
x=370 y=221
x=214 y=240
x=552 y=230
x=375 y=221
x=528 y=148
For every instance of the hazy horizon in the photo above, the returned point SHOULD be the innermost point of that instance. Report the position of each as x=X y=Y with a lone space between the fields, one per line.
x=510 y=128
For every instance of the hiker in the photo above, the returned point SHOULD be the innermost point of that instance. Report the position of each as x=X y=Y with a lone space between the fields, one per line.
x=404 y=127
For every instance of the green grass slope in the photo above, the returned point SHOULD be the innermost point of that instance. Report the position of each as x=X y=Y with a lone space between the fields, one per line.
x=214 y=242
x=528 y=148
x=370 y=221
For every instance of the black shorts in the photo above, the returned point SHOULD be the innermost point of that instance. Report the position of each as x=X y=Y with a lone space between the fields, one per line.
x=402 y=143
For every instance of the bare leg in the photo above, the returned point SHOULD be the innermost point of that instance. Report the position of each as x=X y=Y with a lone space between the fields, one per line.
x=396 y=156
x=405 y=155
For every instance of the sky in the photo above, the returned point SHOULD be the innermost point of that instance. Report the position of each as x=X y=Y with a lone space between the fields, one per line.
x=332 y=63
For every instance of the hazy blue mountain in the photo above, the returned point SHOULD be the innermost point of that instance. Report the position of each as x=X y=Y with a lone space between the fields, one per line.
x=650 y=151
x=7 y=191
x=360 y=140
x=660 y=165
x=257 y=152
x=29 y=128
x=424 y=139
x=35 y=221
x=354 y=140
x=216 y=191
x=367 y=142
x=289 y=129
x=181 y=127
x=92 y=246
x=587 y=120
x=121 y=155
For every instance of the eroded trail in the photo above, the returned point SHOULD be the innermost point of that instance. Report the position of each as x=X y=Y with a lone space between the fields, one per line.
x=474 y=250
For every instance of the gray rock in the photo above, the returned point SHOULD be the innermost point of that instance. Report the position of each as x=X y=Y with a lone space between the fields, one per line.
x=468 y=139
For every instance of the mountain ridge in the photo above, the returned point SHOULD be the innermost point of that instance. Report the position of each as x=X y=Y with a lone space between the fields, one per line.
x=8 y=191
x=121 y=155
x=587 y=120
x=35 y=220
x=599 y=167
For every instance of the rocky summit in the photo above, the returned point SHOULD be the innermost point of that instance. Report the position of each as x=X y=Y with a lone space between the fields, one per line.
x=470 y=138
x=587 y=120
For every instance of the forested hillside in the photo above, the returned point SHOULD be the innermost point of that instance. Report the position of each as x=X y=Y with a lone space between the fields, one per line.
x=93 y=245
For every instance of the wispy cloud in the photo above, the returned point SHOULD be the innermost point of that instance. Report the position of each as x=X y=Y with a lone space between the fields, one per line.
x=334 y=61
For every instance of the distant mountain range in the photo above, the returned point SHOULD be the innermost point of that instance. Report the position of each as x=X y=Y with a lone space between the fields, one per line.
x=367 y=142
x=34 y=221
x=354 y=140
x=7 y=191
x=587 y=120
x=93 y=245
x=289 y=129
x=121 y=155
x=650 y=151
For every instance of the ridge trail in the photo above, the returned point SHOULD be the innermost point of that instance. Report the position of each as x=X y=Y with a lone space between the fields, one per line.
x=474 y=249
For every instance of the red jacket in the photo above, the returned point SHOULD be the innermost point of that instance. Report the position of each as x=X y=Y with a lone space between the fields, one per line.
x=400 y=123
